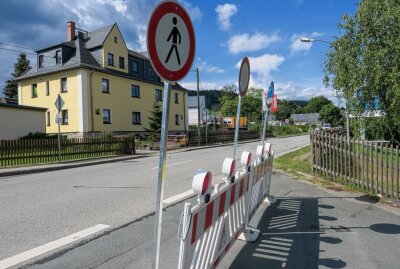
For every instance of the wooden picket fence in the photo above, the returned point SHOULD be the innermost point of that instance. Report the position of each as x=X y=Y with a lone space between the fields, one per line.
x=38 y=151
x=372 y=166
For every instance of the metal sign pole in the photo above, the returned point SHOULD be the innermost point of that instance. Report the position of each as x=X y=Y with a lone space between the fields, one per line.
x=265 y=125
x=237 y=127
x=206 y=125
x=161 y=177
x=59 y=105
x=59 y=138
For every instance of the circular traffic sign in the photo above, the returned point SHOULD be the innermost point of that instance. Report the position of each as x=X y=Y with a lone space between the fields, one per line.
x=244 y=76
x=170 y=41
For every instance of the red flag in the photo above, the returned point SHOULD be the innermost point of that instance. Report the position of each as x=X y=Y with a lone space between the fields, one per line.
x=274 y=106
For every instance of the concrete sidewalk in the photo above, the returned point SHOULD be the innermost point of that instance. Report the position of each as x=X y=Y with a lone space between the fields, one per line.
x=311 y=227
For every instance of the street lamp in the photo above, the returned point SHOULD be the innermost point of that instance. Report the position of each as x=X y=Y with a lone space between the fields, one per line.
x=309 y=40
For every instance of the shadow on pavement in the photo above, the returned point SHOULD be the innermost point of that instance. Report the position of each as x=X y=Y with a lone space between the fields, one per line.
x=386 y=228
x=290 y=238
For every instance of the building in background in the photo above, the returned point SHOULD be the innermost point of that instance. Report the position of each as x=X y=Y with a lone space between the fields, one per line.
x=306 y=119
x=105 y=86
x=193 y=112
x=17 y=121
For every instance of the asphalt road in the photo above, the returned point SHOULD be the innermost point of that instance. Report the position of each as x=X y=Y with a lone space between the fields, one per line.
x=308 y=228
x=39 y=208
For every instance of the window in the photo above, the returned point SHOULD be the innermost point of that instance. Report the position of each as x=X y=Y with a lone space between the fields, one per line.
x=176 y=98
x=105 y=85
x=64 y=117
x=64 y=85
x=158 y=95
x=110 y=59
x=136 y=118
x=122 y=62
x=40 y=61
x=34 y=90
x=115 y=39
x=176 y=119
x=106 y=116
x=58 y=56
x=47 y=88
x=135 y=66
x=48 y=118
x=135 y=90
x=151 y=72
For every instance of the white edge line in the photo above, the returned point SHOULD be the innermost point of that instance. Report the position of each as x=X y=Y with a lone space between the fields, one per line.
x=172 y=164
x=178 y=197
x=35 y=252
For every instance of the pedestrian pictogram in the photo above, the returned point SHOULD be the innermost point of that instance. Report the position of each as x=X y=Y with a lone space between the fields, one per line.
x=174 y=35
x=170 y=41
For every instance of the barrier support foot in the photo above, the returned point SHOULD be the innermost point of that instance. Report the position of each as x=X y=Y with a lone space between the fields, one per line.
x=249 y=234
x=270 y=199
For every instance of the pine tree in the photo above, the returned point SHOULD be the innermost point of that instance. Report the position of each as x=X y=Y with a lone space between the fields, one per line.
x=155 y=119
x=22 y=66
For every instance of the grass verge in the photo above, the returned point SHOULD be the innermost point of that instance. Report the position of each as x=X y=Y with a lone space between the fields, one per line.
x=298 y=164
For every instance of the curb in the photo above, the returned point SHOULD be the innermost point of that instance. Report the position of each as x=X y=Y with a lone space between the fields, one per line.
x=74 y=164
x=90 y=162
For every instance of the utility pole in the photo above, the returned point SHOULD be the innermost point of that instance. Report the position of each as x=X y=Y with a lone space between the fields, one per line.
x=198 y=105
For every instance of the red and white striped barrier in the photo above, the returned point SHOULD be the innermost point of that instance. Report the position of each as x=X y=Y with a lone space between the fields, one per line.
x=208 y=229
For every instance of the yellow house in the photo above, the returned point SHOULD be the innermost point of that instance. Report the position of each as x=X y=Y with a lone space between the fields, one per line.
x=105 y=87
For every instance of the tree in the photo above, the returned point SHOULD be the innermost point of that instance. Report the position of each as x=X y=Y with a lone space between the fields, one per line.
x=331 y=114
x=316 y=103
x=252 y=104
x=286 y=108
x=155 y=119
x=229 y=100
x=363 y=64
x=20 y=67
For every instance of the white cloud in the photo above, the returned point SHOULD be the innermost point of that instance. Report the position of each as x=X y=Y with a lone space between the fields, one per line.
x=292 y=91
x=246 y=42
x=261 y=68
x=224 y=14
x=297 y=46
x=194 y=11
x=206 y=67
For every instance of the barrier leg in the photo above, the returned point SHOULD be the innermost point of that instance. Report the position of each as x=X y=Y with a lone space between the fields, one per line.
x=182 y=233
x=270 y=199
x=249 y=234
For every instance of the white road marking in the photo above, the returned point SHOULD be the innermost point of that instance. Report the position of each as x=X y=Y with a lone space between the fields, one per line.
x=35 y=252
x=179 y=197
x=172 y=164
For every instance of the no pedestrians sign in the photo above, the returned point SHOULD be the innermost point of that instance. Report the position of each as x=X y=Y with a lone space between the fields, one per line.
x=170 y=41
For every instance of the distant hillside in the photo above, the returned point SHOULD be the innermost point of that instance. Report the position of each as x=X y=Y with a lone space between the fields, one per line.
x=300 y=102
x=212 y=97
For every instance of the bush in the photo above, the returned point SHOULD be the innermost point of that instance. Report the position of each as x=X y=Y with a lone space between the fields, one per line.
x=288 y=129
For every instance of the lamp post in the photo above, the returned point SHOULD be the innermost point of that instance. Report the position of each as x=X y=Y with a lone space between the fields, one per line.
x=309 y=40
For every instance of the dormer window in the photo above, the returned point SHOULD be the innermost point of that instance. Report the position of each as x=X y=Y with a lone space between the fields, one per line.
x=115 y=39
x=122 y=62
x=58 y=56
x=40 y=61
x=110 y=59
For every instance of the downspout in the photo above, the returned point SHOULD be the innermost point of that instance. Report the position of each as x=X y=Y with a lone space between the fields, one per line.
x=184 y=111
x=91 y=103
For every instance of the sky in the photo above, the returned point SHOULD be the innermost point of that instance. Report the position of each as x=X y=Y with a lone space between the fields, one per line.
x=266 y=31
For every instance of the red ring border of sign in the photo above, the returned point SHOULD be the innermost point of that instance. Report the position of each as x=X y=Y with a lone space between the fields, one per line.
x=244 y=61
x=160 y=10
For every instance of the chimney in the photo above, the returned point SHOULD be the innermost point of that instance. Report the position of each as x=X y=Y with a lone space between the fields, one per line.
x=70 y=30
